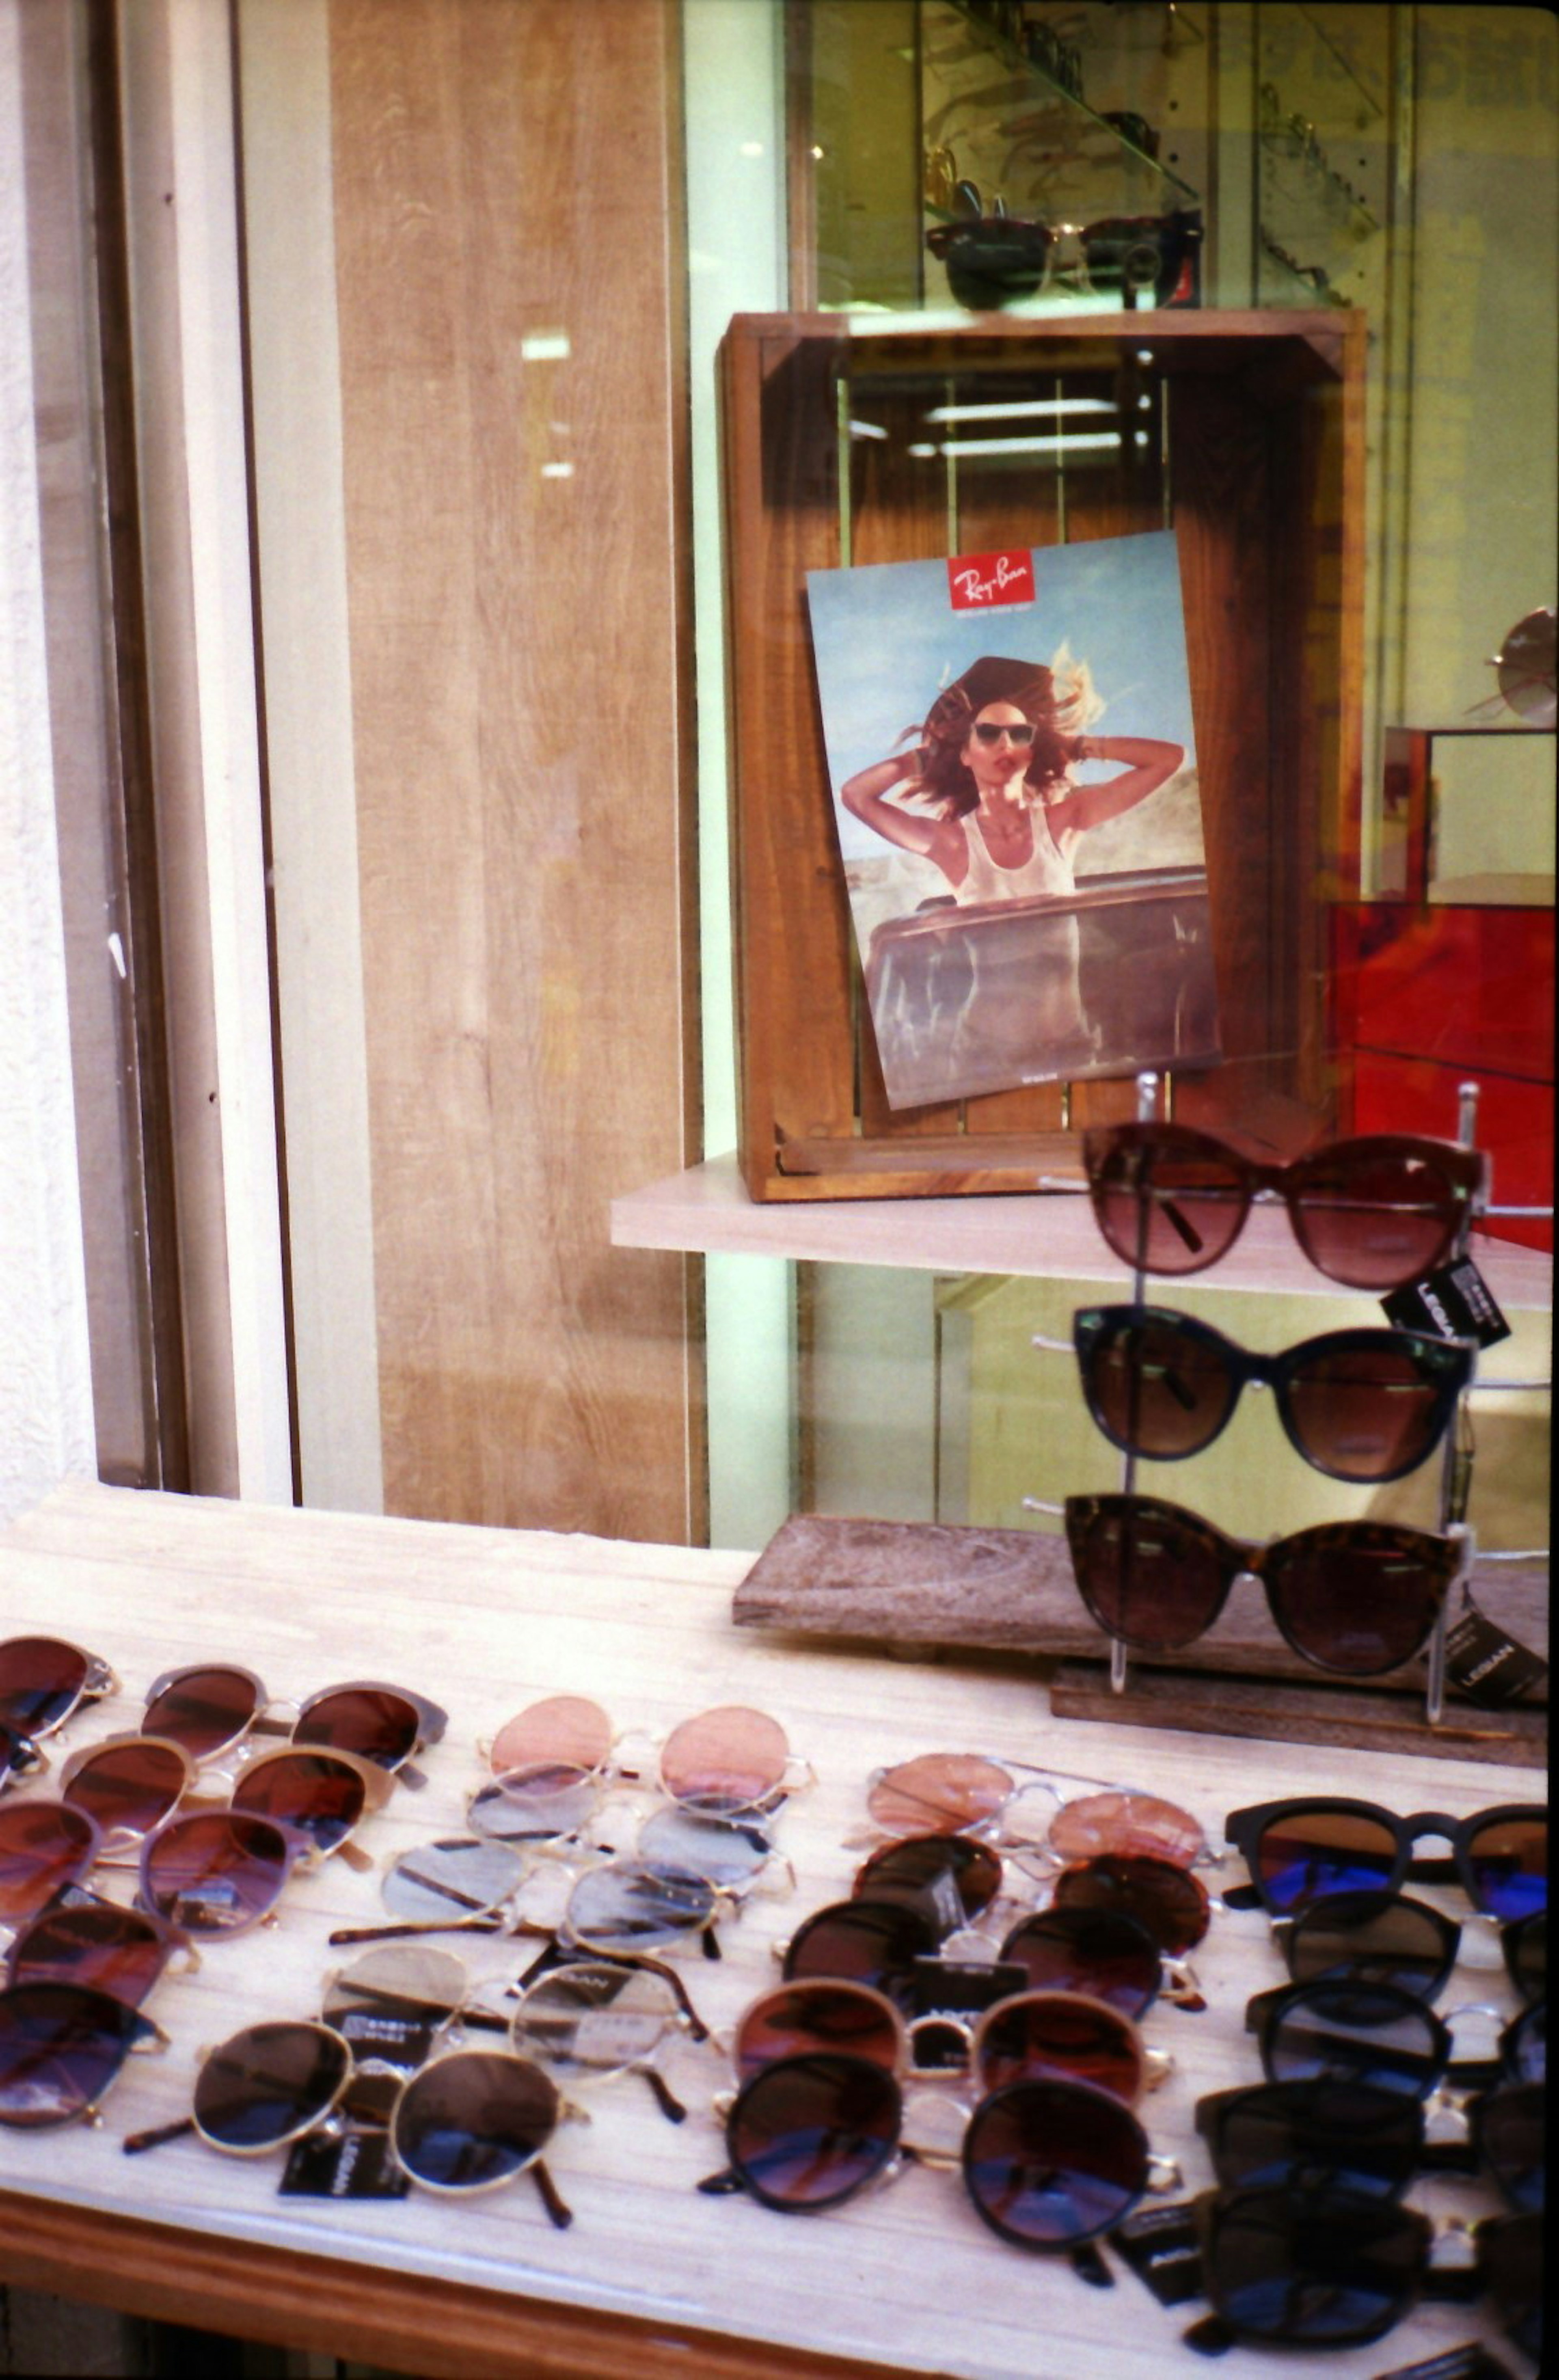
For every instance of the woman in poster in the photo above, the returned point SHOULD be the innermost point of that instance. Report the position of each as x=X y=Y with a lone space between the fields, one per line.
x=1002 y=814
x=987 y=793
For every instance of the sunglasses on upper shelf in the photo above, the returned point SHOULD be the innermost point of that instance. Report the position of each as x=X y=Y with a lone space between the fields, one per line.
x=1363 y=1406
x=1374 y=1213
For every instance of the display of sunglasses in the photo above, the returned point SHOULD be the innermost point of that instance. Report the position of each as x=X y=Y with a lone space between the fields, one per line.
x=1362 y=1404
x=964 y=1793
x=1104 y=1952
x=1299 y=1850
x=725 y=1762
x=1331 y=2269
x=44 y=1680
x=1355 y=1598
x=61 y=2046
x=1048 y=2164
x=209 y=1706
x=1018 y=732
x=79 y=1940
x=1372 y=1213
x=217 y=1873
x=46 y=1846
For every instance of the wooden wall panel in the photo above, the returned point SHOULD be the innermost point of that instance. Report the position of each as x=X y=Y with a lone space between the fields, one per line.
x=505 y=169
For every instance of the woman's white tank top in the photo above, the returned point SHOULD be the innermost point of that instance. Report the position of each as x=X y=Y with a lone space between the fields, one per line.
x=1046 y=871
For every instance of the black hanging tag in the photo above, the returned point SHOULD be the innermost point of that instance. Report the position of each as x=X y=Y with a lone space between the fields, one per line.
x=1160 y=2245
x=1455 y=1303
x=347 y=2164
x=1489 y=1666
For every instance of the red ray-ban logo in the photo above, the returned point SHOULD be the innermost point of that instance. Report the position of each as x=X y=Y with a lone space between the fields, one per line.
x=980 y=582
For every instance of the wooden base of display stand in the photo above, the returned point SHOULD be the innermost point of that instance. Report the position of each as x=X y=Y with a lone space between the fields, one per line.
x=1201 y=1705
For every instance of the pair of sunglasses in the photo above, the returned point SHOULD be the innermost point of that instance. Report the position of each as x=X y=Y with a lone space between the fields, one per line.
x=1029 y=2036
x=130 y=1784
x=61 y=2047
x=1354 y=1597
x=80 y=1939
x=549 y=1808
x=1367 y=1406
x=1347 y=2029
x=1048 y=2164
x=468 y=2122
x=730 y=1761
x=1333 y=2268
x=43 y=1681
x=1372 y=1213
x=965 y=1793
x=206 y=1707
x=1326 y=2132
x=990 y=732
x=1296 y=1851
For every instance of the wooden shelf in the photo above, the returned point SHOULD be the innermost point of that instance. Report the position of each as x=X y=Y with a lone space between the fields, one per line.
x=1049 y=1235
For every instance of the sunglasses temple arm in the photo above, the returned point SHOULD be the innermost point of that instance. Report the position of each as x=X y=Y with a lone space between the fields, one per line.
x=666 y=2097
x=559 y=2213
x=135 y=2144
x=345 y=1935
x=723 y=2184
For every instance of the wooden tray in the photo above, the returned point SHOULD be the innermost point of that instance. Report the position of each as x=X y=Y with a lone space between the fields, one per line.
x=1264 y=487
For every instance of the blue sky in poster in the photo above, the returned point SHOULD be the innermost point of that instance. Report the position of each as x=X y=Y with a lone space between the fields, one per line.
x=885 y=640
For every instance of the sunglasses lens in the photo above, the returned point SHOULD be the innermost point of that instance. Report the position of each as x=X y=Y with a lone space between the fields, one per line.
x=1311 y=2271
x=473 y=2119
x=1525 y=1954
x=1169 y=1203
x=60 y=2048
x=128 y=1788
x=1372 y=1217
x=323 y=1798
x=268 y=2085
x=942 y=1792
x=409 y=1979
x=446 y=1882
x=1363 y=1413
x=1506 y=1863
x=1356 y=1600
x=1171 y=1903
x=215 y=1871
x=43 y=1847
x=1051 y=2164
x=565 y=1729
x=1291 y=2135
x=638 y=1906
x=1132 y=1824
x=1511 y=2256
x=1355 y=2032
x=372 y=1721
x=1376 y=1937
x=1155 y=1388
x=92 y=1943
x=41 y=1683
x=809 y=2130
x=1511 y=2131
x=1059 y=2037
x=874 y=1942
x=952 y=1877
x=724 y=1760
x=841 y=2017
x=1298 y=1860
x=1525 y=2045
x=1146 y=1575
x=594 y=2020
x=1101 y=1951
x=539 y=1805
x=722 y=1851
x=203 y=1710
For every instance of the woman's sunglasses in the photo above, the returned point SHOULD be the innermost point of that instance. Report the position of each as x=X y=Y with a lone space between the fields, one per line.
x=991 y=732
x=724 y=1763
x=1048 y=2164
x=1297 y=1850
x=206 y=1707
x=1355 y=1598
x=218 y=1872
x=465 y=2123
x=1372 y=1213
x=1365 y=1404
x=1331 y=2269
x=61 y=2045
x=964 y=1793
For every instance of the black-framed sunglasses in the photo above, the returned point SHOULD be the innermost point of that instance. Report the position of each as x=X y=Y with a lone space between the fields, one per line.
x=1333 y=2132
x=1367 y=1406
x=1018 y=732
x=1300 y=1849
x=1372 y=1213
x=1354 y=1597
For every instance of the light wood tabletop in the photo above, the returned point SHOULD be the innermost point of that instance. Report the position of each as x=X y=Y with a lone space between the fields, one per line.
x=652 y=2278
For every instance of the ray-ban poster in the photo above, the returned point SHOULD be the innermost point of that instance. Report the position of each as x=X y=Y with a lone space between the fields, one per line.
x=1015 y=783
